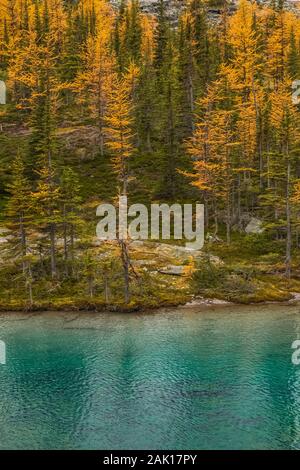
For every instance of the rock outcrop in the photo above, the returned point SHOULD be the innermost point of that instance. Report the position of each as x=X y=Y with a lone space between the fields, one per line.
x=214 y=9
x=254 y=226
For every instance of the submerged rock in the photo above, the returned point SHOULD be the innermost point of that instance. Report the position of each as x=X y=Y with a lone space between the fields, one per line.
x=197 y=301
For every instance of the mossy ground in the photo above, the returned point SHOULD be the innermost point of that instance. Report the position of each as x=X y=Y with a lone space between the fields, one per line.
x=149 y=288
x=253 y=271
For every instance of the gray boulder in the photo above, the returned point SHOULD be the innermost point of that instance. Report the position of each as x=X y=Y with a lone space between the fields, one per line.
x=254 y=226
x=173 y=270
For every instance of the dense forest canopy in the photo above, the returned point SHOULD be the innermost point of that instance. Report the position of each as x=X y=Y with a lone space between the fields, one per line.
x=104 y=101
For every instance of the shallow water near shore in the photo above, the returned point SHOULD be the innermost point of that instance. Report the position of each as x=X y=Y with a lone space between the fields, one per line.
x=190 y=378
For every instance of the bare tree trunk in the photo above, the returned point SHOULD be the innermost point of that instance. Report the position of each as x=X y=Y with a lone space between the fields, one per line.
x=72 y=247
x=171 y=146
x=29 y=283
x=125 y=262
x=91 y=286
x=122 y=241
x=65 y=242
x=228 y=201
x=52 y=251
x=228 y=224
x=23 y=243
x=239 y=212
x=101 y=131
x=206 y=211
x=216 y=221
x=288 y=225
x=216 y=225
x=106 y=288
x=191 y=96
x=259 y=134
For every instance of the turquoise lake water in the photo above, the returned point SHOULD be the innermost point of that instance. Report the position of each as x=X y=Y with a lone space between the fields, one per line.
x=220 y=378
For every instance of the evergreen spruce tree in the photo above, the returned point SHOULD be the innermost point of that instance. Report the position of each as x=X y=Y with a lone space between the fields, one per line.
x=20 y=221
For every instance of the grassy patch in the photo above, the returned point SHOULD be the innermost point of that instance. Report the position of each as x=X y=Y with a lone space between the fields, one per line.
x=238 y=285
